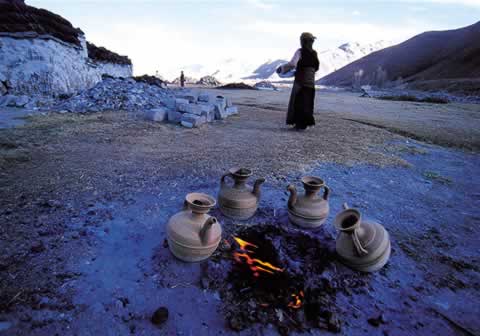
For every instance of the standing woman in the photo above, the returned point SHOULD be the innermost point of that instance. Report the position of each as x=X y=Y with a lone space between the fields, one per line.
x=300 y=107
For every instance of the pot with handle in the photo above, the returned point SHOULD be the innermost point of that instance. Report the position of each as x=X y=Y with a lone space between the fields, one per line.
x=361 y=244
x=310 y=210
x=192 y=234
x=239 y=200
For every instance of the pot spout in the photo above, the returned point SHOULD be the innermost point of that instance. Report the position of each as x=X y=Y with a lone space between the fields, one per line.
x=293 y=196
x=205 y=231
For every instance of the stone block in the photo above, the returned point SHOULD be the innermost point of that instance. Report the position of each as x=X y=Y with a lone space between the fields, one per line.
x=208 y=108
x=209 y=115
x=157 y=114
x=174 y=116
x=187 y=124
x=204 y=98
x=193 y=109
x=193 y=120
x=169 y=102
x=181 y=104
x=222 y=101
x=231 y=110
x=190 y=96
x=220 y=113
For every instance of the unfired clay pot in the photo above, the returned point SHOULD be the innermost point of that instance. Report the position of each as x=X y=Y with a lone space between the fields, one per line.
x=309 y=211
x=239 y=201
x=192 y=234
x=361 y=245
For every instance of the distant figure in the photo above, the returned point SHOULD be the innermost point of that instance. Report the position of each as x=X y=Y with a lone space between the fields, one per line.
x=182 y=79
x=300 y=107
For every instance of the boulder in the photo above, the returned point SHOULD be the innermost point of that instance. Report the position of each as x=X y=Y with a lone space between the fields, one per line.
x=174 y=116
x=157 y=114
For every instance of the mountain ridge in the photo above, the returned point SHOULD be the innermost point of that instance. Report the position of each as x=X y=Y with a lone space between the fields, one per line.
x=432 y=55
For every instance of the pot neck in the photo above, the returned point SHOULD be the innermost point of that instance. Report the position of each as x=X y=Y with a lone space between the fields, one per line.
x=239 y=182
x=197 y=214
x=311 y=192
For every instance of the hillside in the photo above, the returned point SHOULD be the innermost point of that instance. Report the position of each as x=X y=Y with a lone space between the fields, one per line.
x=432 y=55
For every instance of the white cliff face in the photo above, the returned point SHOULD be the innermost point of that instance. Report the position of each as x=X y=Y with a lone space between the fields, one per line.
x=33 y=64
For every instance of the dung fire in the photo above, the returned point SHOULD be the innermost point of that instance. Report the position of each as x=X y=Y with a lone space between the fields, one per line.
x=256 y=265
x=269 y=274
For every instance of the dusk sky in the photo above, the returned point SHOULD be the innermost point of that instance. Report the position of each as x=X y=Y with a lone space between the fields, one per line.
x=166 y=35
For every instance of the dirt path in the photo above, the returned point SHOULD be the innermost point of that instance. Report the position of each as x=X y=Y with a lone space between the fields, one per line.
x=84 y=200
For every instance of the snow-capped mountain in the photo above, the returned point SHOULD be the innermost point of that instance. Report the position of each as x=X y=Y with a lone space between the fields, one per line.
x=235 y=70
x=330 y=60
x=226 y=71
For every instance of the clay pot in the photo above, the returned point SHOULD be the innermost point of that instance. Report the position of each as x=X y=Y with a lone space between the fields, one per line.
x=192 y=234
x=309 y=211
x=239 y=201
x=361 y=245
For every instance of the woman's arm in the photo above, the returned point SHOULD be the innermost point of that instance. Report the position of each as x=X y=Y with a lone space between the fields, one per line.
x=296 y=57
x=290 y=65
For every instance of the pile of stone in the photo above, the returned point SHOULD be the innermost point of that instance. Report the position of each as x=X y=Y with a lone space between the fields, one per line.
x=188 y=107
x=191 y=108
x=24 y=101
x=115 y=94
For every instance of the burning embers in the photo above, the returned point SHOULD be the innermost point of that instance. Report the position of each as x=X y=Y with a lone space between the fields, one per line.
x=298 y=300
x=247 y=251
x=246 y=256
x=270 y=274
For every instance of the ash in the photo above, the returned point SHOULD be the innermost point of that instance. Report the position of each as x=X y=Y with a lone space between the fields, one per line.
x=300 y=297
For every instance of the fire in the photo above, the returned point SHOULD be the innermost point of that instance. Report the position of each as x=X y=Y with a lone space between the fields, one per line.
x=255 y=265
x=297 y=300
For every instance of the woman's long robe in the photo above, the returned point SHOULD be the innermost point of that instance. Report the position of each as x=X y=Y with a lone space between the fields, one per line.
x=302 y=98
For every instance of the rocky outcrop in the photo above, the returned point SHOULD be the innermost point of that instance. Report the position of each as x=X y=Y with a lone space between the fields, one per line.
x=152 y=80
x=17 y=17
x=208 y=81
x=42 y=53
x=103 y=55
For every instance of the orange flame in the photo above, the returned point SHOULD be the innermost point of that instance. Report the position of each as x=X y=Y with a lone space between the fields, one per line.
x=297 y=300
x=244 y=244
x=256 y=265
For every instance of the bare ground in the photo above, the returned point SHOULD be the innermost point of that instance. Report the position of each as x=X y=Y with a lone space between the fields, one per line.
x=55 y=170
